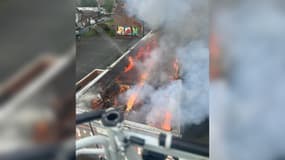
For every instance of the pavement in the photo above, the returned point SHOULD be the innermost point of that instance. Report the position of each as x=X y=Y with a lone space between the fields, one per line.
x=99 y=52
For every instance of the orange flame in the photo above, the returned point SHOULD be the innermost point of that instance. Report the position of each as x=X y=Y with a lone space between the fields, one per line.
x=132 y=101
x=148 y=49
x=142 y=53
x=143 y=78
x=213 y=45
x=133 y=97
x=145 y=51
x=166 y=125
x=124 y=88
x=131 y=64
x=215 y=56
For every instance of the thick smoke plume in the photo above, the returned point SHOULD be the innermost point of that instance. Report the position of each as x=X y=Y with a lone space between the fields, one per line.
x=247 y=106
x=183 y=34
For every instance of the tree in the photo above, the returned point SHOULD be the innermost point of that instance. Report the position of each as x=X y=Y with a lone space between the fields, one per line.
x=108 y=5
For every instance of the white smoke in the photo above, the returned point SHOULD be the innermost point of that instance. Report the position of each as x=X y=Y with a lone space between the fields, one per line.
x=184 y=19
x=195 y=74
x=247 y=108
x=183 y=28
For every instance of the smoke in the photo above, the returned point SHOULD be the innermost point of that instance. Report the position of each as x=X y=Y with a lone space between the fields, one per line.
x=195 y=74
x=247 y=107
x=183 y=19
x=183 y=34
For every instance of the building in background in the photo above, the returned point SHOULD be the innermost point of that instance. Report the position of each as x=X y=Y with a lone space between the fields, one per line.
x=85 y=16
x=100 y=3
x=125 y=25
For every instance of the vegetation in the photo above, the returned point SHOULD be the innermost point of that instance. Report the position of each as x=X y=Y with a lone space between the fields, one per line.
x=90 y=33
x=110 y=31
x=107 y=29
x=110 y=22
x=108 y=5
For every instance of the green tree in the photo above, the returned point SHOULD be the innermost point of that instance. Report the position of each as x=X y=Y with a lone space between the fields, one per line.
x=108 y=5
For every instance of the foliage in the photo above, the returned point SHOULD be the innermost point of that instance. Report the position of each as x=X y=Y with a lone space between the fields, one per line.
x=108 y=5
x=90 y=33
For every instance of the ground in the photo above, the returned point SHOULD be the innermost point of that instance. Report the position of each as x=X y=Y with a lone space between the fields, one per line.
x=99 y=52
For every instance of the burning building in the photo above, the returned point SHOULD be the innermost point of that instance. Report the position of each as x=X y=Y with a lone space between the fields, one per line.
x=150 y=89
x=125 y=82
x=163 y=80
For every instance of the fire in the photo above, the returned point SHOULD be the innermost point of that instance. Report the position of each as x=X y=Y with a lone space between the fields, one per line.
x=215 y=57
x=143 y=77
x=145 y=51
x=133 y=97
x=124 y=88
x=166 y=125
x=214 y=46
x=140 y=53
x=132 y=101
x=131 y=64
